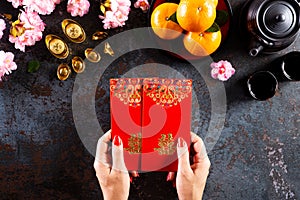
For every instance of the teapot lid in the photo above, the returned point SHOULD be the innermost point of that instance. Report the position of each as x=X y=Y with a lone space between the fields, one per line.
x=277 y=19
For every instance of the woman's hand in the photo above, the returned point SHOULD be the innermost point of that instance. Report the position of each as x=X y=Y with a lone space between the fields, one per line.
x=110 y=168
x=191 y=179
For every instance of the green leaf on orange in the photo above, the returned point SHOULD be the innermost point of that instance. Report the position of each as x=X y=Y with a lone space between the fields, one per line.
x=214 y=28
x=173 y=18
x=222 y=17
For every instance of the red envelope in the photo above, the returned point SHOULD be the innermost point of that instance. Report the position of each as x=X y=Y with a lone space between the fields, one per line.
x=166 y=116
x=126 y=117
x=149 y=115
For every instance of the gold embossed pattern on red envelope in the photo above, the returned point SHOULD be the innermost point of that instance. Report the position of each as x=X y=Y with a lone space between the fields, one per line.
x=149 y=115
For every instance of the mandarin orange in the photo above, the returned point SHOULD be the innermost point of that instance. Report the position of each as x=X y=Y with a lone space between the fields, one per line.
x=202 y=43
x=215 y=2
x=162 y=21
x=196 y=15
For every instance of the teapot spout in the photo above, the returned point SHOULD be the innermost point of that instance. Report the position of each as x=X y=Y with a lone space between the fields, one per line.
x=255 y=48
x=254 y=51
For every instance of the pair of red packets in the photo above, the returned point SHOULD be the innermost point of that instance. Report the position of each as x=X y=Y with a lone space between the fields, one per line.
x=149 y=115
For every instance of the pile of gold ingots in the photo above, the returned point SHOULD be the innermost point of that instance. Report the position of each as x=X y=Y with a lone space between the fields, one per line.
x=75 y=33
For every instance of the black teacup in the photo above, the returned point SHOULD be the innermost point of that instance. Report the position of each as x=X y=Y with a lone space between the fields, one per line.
x=262 y=85
x=290 y=65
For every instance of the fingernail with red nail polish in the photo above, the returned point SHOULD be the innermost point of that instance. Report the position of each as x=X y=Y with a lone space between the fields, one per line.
x=169 y=177
x=117 y=140
x=135 y=174
x=181 y=142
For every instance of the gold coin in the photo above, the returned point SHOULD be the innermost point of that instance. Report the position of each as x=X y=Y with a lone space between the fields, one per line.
x=73 y=31
x=57 y=46
x=78 y=64
x=63 y=71
x=99 y=35
x=108 y=49
x=92 y=55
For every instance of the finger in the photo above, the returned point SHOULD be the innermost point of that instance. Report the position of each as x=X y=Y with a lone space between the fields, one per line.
x=201 y=161
x=183 y=157
x=118 y=155
x=102 y=157
x=199 y=148
x=201 y=169
x=171 y=176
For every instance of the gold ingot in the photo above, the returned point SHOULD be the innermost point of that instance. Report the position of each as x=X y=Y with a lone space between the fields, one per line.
x=99 y=35
x=78 y=64
x=56 y=46
x=108 y=49
x=6 y=16
x=92 y=55
x=73 y=30
x=63 y=71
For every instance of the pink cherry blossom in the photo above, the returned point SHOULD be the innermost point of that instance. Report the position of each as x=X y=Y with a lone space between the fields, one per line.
x=56 y=1
x=44 y=7
x=6 y=63
x=78 y=7
x=2 y=27
x=123 y=6
x=110 y=20
x=20 y=42
x=222 y=70
x=16 y=3
x=117 y=14
x=33 y=27
x=32 y=20
x=142 y=4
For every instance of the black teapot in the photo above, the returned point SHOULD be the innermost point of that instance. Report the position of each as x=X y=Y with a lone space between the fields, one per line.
x=272 y=25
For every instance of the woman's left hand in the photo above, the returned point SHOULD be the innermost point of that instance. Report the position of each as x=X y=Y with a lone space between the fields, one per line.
x=110 y=168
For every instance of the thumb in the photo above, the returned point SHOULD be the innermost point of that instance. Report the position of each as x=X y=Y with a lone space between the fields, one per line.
x=183 y=156
x=117 y=155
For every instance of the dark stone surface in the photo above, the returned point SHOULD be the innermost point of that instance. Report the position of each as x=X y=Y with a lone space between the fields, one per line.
x=41 y=155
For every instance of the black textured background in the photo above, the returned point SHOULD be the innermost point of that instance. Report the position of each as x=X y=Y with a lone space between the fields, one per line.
x=42 y=157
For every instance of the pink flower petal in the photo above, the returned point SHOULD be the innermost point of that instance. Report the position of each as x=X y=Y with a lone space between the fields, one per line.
x=222 y=70
x=142 y=4
x=117 y=15
x=6 y=63
x=34 y=26
x=78 y=7
x=16 y=3
x=2 y=27
x=44 y=7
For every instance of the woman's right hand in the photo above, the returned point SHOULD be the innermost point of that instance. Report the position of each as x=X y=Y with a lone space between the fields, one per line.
x=191 y=179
